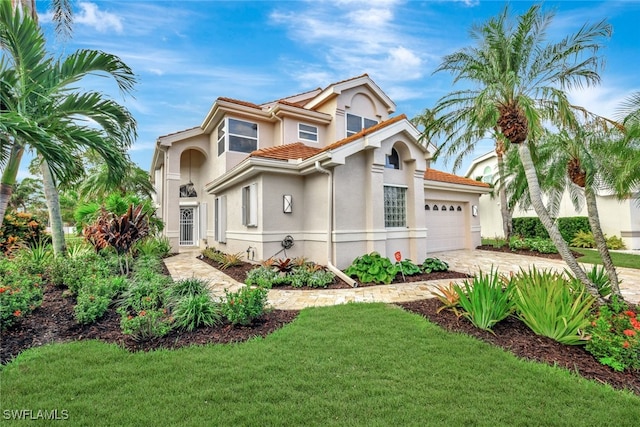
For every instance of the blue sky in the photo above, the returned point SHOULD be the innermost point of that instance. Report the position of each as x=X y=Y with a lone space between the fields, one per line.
x=188 y=53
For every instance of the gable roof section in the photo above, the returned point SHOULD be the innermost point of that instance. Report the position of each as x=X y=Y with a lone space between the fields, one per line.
x=286 y=152
x=364 y=132
x=439 y=176
x=335 y=89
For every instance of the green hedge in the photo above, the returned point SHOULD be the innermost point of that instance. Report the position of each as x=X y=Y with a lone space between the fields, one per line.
x=532 y=227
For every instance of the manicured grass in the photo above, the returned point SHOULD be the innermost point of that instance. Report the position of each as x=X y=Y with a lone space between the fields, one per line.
x=354 y=364
x=591 y=256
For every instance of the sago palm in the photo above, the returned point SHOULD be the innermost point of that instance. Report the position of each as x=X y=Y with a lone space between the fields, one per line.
x=45 y=112
x=519 y=82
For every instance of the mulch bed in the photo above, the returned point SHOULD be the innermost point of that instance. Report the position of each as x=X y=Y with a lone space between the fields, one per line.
x=239 y=273
x=54 y=322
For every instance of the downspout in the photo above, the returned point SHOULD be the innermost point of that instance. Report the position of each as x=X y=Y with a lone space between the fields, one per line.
x=330 y=265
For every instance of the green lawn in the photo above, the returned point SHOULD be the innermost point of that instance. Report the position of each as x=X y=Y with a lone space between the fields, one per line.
x=591 y=256
x=354 y=364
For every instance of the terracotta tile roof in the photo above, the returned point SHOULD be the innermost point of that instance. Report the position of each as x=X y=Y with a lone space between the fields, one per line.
x=236 y=101
x=436 y=175
x=286 y=152
x=364 y=132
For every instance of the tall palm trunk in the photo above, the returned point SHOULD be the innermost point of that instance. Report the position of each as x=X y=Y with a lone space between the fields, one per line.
x=55 y=213
x=8 y=179
x=601 y=241
x=50 y=189
x=549 y=224
x=507 y=222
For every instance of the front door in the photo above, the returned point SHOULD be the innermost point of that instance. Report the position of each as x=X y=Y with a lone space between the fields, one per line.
x=187 y=226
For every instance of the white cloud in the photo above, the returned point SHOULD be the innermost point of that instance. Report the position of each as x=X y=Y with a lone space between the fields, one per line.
x=100 y=20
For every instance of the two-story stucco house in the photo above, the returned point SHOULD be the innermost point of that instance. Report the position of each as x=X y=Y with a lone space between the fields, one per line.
x=331 y=168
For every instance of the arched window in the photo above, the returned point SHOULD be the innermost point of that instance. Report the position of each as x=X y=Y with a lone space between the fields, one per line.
x=459 y=209
x=393 y=160
x=427 y=207
x=444 y=208
x=435 y=207
x=487 y=175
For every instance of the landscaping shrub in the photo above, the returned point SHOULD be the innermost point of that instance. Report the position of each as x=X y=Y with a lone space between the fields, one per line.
x=585 y=239
x=486 y=299
x=74 y=273
x=242 y=307
x=20 y=230
x=529 y=226
x=152 y=246
x=537 y=244
x=448 y=296
x=552 y=306
x=615 y=336
x=532 y=227
x=261 y=276
x=372 y=268
x=599 y=277
x=20 y=292
x=569 y=226
x=94 y=298
x=430 y=265
x=145 y=324
x=407 y=267
x=188 y=287
x=194 y=311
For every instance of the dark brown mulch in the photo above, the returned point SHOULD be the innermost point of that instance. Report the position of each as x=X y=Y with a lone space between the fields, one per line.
x=514 y=336
x=53 y=321
x=526 y=252
x=239 y=273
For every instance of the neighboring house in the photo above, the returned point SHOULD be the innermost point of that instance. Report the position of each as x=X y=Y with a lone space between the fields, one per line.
x=330 y=168
x=617 y=218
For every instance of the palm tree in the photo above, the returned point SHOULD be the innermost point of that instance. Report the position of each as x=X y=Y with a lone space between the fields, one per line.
x=40 y=101
x=520 y=83
x=579 y=162
x=98 y=183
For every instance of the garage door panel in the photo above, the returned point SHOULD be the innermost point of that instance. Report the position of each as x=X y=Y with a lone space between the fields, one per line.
x=445 y=227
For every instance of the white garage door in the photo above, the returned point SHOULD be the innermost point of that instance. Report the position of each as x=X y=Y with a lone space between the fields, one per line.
x=445 y=225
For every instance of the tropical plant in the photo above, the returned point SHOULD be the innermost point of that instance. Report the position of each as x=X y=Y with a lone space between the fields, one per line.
x=20 y=230
x=194 y=311
x=407 y=267
x=615 y=336
x=372 y=268
x=43 y=111
x=430 y=265
x=261 y=276
x=486 y=299
x=520 y=81
x=583 y=239
x=598 y=275
x=188 y=287
x=448 y=296
x=231 y=260
x=20 y=292
x=145 y=324
x=552 y=306
x=245 y=305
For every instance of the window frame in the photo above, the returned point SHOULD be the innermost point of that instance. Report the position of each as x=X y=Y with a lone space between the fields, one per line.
x=395 y=208
x=388 y=163
x=250 y=205
x=363 y=123
x=308 y=132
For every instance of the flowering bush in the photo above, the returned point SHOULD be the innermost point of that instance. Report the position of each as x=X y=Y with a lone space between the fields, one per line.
x=242 y=307
x=145 y=324
x=19 y=229
x=20 y=293
x=615 y=336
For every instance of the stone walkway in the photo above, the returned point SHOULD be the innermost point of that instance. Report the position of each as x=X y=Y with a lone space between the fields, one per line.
x=186 y=265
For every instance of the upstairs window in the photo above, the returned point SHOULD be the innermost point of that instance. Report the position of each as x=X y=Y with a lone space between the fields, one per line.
x=356 y=123
x=393 y=160
x=221 y=139
x=307 y=132
x=243 y=136
x=487 y=175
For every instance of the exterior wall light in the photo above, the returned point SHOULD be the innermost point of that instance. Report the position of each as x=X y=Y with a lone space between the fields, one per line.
x=474 y=210
x=287 y=203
